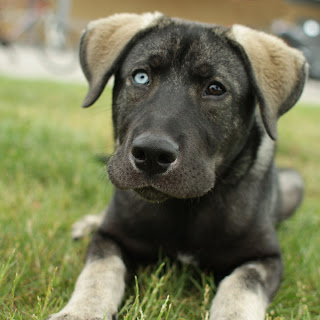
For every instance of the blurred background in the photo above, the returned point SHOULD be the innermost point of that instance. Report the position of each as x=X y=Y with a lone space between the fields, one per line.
x=39 y=38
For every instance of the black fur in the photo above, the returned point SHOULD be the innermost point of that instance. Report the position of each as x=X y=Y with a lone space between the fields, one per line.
x=218 y=199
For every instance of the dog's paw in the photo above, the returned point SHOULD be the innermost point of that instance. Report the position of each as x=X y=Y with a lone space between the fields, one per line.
x=65 y=317
x=86 y=225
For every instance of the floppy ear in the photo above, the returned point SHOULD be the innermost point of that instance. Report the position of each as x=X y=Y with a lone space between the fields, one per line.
x=101 y=46
x=278 y=72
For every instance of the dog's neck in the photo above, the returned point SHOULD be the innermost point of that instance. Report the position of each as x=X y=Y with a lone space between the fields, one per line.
x=239 y=166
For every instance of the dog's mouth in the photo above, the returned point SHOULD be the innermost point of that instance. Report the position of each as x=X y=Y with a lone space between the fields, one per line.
x=151 y=194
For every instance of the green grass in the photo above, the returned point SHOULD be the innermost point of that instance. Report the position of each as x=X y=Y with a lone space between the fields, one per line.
x=49 y=178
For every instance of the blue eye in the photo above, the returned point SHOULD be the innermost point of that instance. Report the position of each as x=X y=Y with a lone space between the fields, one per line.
x=141 y=77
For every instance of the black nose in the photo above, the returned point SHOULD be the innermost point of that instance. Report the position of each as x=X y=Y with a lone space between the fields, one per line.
x=153 y=153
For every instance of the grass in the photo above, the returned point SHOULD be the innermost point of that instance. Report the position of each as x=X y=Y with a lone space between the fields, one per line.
x=49 y=178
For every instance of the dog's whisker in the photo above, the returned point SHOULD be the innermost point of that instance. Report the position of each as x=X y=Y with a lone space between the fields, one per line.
x=103 y=158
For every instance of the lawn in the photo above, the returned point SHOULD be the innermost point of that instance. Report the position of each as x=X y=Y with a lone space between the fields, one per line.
x=49 y=178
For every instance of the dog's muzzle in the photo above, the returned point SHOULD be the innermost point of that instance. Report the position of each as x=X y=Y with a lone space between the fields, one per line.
x=154 y=154
x=157 y=167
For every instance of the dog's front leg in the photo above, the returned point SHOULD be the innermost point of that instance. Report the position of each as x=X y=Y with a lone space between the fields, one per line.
x=100 y=286
x=246 y=292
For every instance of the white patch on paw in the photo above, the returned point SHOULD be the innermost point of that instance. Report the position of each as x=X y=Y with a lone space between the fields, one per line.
x=86 y=225
x=187 y=258
x=98 y=291
x=234 y=300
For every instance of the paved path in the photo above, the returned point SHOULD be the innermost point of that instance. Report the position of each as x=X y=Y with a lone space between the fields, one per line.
x=23 y=62
x=27 y=62
x=311 y=93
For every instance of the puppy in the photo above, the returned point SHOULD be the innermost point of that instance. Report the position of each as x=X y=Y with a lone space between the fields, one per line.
x=195 y=110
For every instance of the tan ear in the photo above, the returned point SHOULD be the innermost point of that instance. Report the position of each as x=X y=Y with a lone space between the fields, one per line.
x=278 y=72
x=102 y=43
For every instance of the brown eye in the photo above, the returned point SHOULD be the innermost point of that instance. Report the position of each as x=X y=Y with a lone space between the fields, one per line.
x=215 y=89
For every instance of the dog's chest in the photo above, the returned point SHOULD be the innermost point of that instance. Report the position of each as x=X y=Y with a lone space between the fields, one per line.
x=192 y=233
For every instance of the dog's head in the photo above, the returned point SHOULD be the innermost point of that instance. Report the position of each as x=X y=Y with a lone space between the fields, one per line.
x=185 y=96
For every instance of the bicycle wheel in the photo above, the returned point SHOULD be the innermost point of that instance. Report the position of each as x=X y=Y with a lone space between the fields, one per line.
x=59 y=45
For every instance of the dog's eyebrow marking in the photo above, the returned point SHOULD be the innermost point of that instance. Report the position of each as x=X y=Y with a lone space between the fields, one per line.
x=154 y=61
x=204 y=70
x=158 y=60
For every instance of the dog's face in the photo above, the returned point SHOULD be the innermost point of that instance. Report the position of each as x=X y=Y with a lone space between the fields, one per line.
x=183 y=107
x=184 y=98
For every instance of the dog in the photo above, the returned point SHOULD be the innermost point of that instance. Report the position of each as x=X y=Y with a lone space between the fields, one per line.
x=195 y=110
